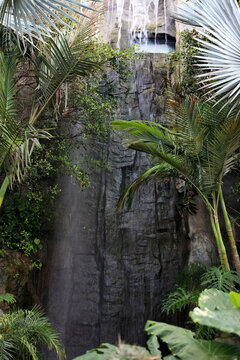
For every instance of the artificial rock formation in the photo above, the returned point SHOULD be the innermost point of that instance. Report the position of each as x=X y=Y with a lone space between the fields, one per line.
x=107 y=272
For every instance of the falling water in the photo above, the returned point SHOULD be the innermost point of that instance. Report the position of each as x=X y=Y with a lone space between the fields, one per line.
x=142 y=15
x=165 y=20
x=120 y=6
x=156 y=3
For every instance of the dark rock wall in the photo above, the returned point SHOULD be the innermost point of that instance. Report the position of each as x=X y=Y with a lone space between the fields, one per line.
x=107 y=272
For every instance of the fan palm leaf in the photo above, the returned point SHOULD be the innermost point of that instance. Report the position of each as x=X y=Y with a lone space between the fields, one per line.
x=33 y=19
x=220 y=52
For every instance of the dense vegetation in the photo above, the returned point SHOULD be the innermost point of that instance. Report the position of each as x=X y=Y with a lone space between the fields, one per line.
x=198 y=144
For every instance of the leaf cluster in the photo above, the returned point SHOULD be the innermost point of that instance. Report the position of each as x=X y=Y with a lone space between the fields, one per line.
x=193 y=280
x=23 y=332
x=199 y=144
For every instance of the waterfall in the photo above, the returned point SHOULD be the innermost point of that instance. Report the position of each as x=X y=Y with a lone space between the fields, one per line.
x=165 y=20
x=156 y=4
x=139 y=19
x=120 y=6
x=140 y=15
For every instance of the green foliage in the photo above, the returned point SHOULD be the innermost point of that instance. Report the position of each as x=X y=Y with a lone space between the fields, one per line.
x=193 y=280
x=9 y=298
x=218 y=309
x=184 y=61
x=179 y=300
x=23 y=332
x=21 y=222
x=120 y=352
x=126 y=352
x=220 y=279
x=182 y=343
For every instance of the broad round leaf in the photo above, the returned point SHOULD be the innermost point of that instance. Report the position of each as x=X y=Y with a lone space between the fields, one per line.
x=216 y=310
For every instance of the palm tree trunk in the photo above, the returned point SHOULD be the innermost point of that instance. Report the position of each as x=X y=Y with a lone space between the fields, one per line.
x=231 y=238
x=3 y=189
x=218 y=236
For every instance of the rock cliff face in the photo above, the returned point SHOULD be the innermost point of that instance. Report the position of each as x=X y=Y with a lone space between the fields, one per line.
x=107 y=273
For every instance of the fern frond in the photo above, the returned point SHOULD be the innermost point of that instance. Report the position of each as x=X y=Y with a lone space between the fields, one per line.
x=179 y=300
x=8 y=298
x=190 y=276
x=220 y=279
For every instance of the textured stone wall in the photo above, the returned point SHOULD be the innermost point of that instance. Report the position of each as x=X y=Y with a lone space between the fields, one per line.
x=106 y=272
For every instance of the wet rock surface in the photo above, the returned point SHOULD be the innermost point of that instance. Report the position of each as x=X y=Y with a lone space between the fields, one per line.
x=107 y=272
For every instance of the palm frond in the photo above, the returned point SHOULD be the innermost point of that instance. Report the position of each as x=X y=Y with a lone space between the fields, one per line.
x=28 y=330
x=144 y=131
x=57 y=64
x=7 y=347
x=154 y=173
x=31 y=20
x=156 y=140
x=220 y=53
x=222 y=154
x=186 y=119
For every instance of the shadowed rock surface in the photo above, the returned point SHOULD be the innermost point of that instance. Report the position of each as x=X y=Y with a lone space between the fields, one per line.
x=107 y=272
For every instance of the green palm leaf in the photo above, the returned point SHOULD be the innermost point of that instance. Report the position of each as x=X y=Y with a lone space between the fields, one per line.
x=222 y=153
x=62 y=61
x=35 y=18
x=26 y=331
x=220 y=53
x=154 y=173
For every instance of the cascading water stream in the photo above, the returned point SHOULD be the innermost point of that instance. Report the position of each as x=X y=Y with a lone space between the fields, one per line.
x=165 y=19
x=142 y=17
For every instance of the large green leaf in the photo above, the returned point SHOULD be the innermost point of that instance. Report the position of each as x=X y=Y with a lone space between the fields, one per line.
x=104 y=352
x=181 y=343
x=216 y=310
x=122 y=351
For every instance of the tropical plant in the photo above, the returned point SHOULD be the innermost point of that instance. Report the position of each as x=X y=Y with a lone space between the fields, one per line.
x=23 y=332
x=9 y=298
x=217 y=310
x=193 y=280
x=126 y=352
x=34 y=20
x=220 y=50
x=17 y=140
x=198 y=144
x=58 y=62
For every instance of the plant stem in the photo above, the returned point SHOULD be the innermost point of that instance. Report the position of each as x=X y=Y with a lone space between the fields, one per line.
x=218 y=236
x=231 y=238
x=3 y=189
